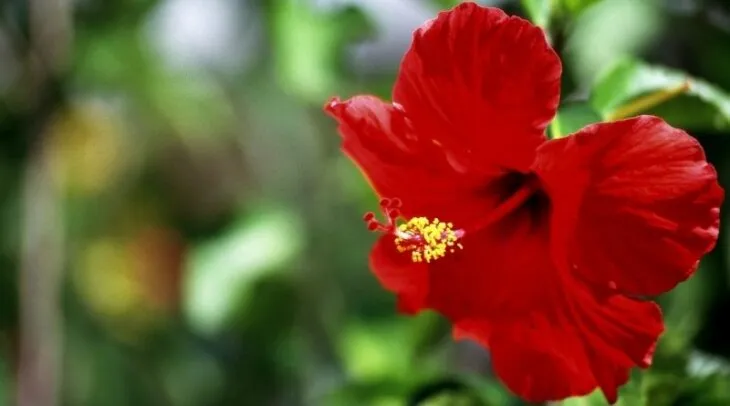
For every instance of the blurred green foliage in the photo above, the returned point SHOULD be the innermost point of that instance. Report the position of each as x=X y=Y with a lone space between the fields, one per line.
x=701 y=107
x=212 y=251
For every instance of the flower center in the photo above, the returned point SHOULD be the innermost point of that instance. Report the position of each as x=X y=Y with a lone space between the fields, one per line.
x=425 y=239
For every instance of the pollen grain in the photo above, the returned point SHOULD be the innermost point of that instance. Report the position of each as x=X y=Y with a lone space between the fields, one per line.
x=427 y=240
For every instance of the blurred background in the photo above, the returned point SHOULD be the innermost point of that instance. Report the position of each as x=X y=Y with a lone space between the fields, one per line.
x=178 y=227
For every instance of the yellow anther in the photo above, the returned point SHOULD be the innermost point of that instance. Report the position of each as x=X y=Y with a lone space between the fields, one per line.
x=427 y=240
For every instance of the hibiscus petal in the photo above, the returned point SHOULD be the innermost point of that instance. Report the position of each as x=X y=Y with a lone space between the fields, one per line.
x=502 y=271
x=379 y=138
x=482 y=84
x=618 y=333
x=637 y=204
x=540 y=361
x=397 y=273
x=569 y=349
x=507 y=260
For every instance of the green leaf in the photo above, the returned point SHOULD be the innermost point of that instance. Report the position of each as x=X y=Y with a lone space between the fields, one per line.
x=594 y=399
x=429 y=333
x=661 y=389
x=490 y=391
x=575 y=7
x=629 y=395
x=220 y=272
x=374 y=350
x=572 y=117
x=452 y=399
x=460 y=390
x=594 y=42
x=702 y=107
x=381 y=392
x=538 y=11
x=683 y=310
x=711 y=390
x=446 y=4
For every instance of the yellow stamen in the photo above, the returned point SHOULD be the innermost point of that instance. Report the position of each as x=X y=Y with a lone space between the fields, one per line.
x=427 y=240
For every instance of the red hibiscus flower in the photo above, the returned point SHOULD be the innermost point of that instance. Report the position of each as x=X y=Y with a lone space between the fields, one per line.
x=538 y=249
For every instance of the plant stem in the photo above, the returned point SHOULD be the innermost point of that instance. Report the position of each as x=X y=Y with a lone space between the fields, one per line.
x=645 y=103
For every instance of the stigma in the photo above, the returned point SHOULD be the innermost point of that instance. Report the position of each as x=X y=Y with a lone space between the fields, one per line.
x=425 y=239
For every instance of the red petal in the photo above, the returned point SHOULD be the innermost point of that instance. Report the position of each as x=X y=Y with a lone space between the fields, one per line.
x=473 y=329
x=540 y=361
x=551 y=336
x=482 y=84
x=571 y=347
x=637 y=204
x=379 y=138
x=500 y=274
x=397 y=273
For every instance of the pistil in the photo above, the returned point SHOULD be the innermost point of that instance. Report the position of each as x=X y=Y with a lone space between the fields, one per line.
x=425 y=239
